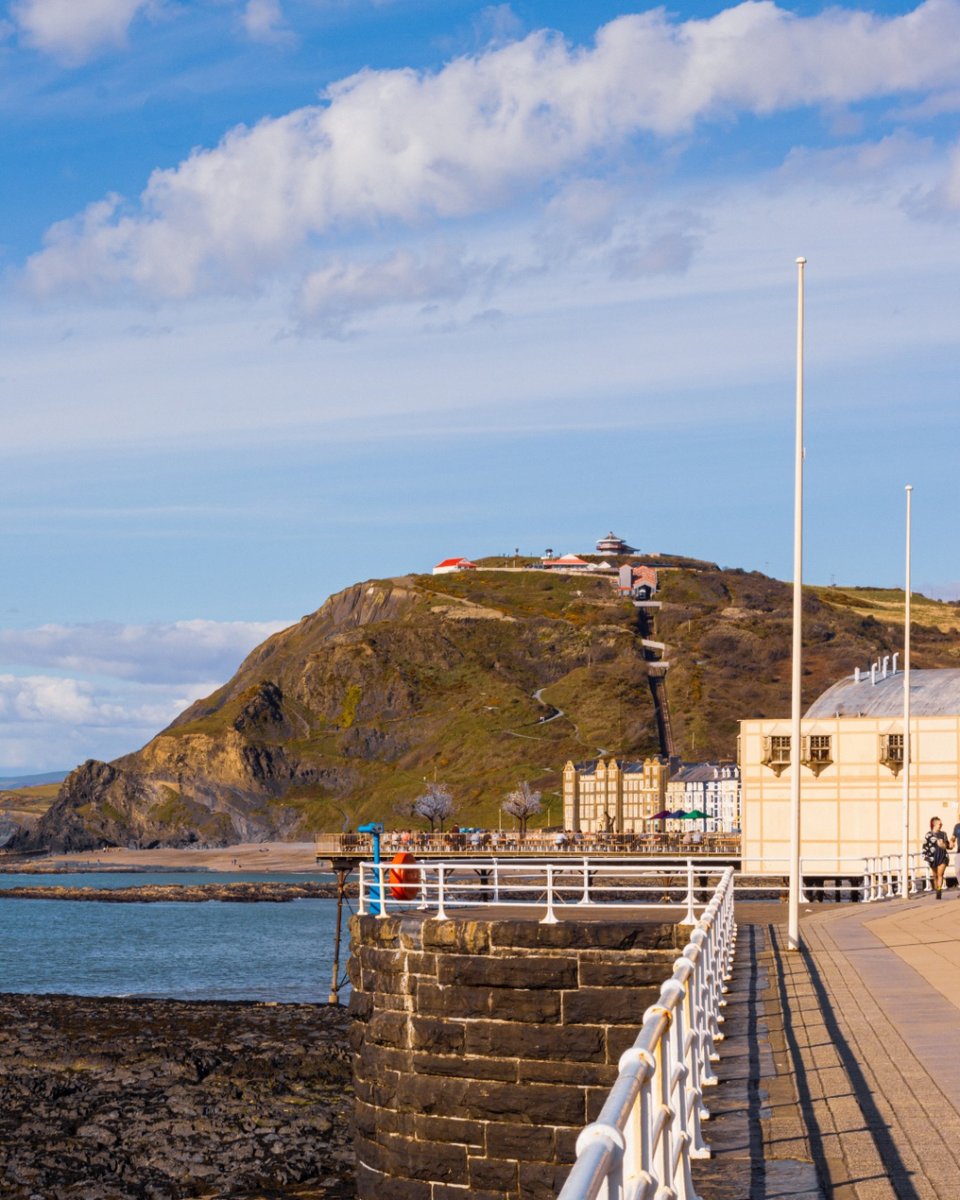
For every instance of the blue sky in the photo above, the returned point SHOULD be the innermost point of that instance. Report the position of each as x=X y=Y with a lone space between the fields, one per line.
x=300 y=292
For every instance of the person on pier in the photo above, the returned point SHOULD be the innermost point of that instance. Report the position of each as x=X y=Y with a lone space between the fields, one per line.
x=936 y=846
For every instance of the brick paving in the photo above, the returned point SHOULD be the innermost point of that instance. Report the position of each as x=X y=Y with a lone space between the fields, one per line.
x=837 y=1075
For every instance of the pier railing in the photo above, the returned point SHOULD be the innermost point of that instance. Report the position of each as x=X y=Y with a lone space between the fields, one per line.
x=680 y=887
x=676 y=885
x=535 y=843
x=649 y=1128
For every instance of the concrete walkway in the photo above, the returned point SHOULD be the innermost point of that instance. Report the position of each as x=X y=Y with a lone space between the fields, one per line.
x=840 y=1070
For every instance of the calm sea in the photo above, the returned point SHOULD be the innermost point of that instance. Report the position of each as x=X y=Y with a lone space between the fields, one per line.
x=209 y=951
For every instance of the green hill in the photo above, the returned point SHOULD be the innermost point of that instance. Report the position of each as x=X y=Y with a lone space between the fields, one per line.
x=476 y=679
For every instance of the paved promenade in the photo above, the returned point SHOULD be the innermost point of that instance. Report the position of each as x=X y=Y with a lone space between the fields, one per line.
x=840 y=1072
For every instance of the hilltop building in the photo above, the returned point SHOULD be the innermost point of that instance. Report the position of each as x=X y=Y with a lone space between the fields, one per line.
x=851 y=762
x=568 y=562
x=449 y=565
x=638 y=582
x=613 y=795
x=611 y=544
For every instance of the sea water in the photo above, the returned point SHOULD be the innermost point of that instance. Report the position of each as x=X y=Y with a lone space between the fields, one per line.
x=210 y=950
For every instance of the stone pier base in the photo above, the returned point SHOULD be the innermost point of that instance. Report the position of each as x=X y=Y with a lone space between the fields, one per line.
x=482 y=1047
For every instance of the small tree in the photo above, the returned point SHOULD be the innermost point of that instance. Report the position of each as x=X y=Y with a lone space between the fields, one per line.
x=435 y=805
x=523 y=803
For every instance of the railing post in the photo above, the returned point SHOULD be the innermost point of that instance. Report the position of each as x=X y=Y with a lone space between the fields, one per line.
x=693 y=1050
x=550 y=917
x=690 y=917
x=381 y=869
x=585 y=898
x=441 y=911
x=362 y=906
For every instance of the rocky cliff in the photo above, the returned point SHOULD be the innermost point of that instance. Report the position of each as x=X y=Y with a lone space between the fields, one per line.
x=477 y=680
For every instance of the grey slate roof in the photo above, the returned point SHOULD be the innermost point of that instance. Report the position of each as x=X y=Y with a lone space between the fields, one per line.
x=705 y=772
x=932 y=694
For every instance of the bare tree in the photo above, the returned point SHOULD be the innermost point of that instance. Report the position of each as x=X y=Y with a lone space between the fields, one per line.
x=523 y=803
x=435 y=805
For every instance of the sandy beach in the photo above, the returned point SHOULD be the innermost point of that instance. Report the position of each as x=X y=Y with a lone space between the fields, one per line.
x=248 y=856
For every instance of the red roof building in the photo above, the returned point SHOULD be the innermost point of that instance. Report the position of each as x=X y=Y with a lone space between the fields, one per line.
x=449 y=565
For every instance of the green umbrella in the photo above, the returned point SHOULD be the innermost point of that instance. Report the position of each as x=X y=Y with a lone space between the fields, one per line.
x=696 y=815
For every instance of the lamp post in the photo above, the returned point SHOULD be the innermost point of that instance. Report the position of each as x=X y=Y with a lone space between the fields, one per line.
x=905 y=843
x=793 y=907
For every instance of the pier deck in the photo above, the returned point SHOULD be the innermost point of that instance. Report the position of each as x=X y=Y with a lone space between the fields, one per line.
x=839 y=1074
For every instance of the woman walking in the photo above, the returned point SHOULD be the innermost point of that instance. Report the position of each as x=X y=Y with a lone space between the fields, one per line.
x=935 y=852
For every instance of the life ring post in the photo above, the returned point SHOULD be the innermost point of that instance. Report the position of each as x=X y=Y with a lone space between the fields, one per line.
x=403 y=879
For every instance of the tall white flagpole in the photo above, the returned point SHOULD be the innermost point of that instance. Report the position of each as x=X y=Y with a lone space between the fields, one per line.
x=793 y=907
x=905 y=845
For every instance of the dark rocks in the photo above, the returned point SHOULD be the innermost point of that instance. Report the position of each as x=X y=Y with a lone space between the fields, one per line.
x=115 y=1099
x=153 y=893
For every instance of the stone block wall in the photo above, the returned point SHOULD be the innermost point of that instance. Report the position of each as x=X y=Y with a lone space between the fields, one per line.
x=482 y=1048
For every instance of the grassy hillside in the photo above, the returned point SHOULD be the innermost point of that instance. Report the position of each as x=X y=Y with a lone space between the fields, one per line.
x=730 y=635
x=441 y=685
x=476 y=679
x=28 y=804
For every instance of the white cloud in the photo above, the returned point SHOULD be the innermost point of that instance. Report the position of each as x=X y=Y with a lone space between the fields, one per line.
x=73 y=30
x=666 y=252
x=339 y=291
x=941 y=202
x=403 y=146
x=47 y=699
x=54 y=722
x=178 y=652
x=496 y=24
x=101 y=690
x=263 y=21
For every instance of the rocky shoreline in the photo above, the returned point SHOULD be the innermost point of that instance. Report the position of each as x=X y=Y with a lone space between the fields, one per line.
x=131 y=1099
x=249 y=893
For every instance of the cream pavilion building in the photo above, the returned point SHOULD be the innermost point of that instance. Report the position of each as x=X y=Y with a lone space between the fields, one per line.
x=613 y=796
x=851 y=789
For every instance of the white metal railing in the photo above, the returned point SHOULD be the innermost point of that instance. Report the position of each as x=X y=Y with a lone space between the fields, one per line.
x=881 y=876
x=649 y=1129
x=673 y=885
x=680 y=887
x=875 y=877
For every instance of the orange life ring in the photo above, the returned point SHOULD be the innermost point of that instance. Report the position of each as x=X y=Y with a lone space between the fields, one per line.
x=404 y=882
